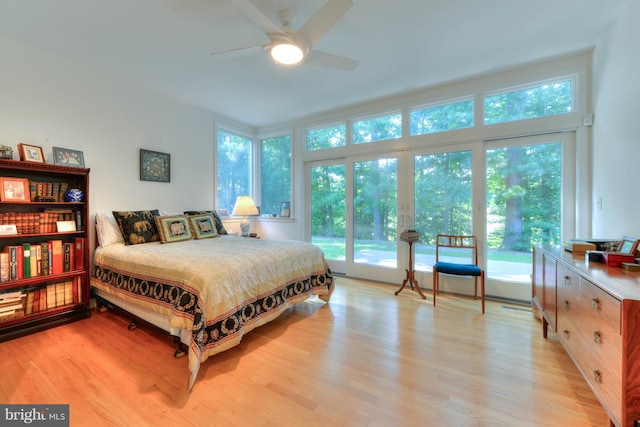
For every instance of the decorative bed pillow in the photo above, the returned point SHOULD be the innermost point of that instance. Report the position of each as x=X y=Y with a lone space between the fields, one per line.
x=173 y=228
x=137 y=226
x=219 y=227
x=107 y=229
x=202 y=226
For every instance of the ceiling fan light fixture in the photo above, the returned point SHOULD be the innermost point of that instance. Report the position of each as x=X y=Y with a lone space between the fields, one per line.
x=287 y=54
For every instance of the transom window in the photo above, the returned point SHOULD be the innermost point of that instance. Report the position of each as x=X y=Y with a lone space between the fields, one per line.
x=377 y=129
x=457 y=115
x=538 y=101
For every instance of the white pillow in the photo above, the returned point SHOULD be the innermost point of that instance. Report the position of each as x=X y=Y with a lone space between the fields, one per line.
x=107 y=229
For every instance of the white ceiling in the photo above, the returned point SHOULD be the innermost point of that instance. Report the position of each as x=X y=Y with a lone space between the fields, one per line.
x=401 y=45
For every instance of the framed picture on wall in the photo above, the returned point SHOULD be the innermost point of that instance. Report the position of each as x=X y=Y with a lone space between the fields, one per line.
x=155 y=166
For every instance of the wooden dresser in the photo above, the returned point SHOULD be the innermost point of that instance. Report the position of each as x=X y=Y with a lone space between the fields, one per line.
x=595 y=310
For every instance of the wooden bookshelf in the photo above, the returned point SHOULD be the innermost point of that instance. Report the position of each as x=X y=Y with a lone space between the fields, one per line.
x=44 y=278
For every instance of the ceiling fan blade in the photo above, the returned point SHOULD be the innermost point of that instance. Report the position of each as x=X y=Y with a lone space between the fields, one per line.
x=257 y=16
x=325 y=18
x=240 y=51
x=327 y=60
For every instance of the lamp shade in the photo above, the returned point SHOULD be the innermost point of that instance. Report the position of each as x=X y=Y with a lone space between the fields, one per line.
x=244 y=206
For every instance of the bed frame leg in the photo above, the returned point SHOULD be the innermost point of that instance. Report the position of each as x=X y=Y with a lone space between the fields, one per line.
x=182 y=350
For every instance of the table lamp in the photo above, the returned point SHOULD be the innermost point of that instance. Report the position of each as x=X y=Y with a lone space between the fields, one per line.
x=244 y=207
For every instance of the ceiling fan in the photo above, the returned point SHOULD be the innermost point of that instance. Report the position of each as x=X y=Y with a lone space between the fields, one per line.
x=288 y=46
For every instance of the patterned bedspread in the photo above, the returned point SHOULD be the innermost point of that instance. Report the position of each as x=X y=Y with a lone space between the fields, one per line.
x=219 y=288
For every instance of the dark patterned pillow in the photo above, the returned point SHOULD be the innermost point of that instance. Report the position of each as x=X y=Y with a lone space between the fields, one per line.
x=138 y=226
x=219 y=226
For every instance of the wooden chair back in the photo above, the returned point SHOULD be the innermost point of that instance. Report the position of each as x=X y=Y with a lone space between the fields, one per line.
x=458 y=242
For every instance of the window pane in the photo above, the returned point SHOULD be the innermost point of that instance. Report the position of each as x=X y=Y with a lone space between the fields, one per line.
x=275 y=176
x=328 y=210
x=234 y=169
x=377 y=129
x=374 y=212
x=540 y=101
x=524 y=195
x=335 y=136
x=443 y=198
x=442 y=118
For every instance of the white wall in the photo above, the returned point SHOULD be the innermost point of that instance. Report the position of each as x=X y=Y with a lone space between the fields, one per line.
x=616 y=136
x=47 y=101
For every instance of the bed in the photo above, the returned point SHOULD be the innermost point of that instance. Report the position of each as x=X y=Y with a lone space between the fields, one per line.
x=207 y=291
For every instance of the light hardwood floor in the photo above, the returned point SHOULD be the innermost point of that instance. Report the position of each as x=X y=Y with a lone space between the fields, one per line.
x=368 y=358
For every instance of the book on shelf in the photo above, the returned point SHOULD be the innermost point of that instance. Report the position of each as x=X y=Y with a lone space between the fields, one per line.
x=30 y=297
x=68 y=292
x=59 y=294
x=56 y=261
x=44 y=255
x=36 y=259
x=50 y=295
x=79 y=253
x=4 y=267
x=26 y=265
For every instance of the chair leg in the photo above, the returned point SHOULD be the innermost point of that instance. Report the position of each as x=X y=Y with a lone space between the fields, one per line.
x=435 y=285
x=475 y=287
x=482 y=288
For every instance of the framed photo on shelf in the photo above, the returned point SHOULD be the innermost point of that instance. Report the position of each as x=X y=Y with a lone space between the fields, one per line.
x=285 y=209
x=66 y=157
x=14 y=190
x=30 y=153
x=155 y=166
x=628 y=246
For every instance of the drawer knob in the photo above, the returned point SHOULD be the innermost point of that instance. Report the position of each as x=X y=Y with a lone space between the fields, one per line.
x=597 y=377
x=597 y=337
x=595 y=303
x=566 y=334
x=567 y=280
x=566 y=304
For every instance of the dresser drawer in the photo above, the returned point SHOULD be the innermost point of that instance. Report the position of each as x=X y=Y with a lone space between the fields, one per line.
x=595 y=360
x=604 y=311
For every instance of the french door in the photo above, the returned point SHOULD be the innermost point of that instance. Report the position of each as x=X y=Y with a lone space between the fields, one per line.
x=356 y=216
x=511 y=193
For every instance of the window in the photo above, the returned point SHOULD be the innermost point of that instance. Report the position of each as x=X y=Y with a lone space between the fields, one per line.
x=275 y=175
x=539 y=101
x=458 y=115
x=377 y=129
x=329 y=137
x=442 y=190
x=524 y=206
x=328 y=210
x=234 y=168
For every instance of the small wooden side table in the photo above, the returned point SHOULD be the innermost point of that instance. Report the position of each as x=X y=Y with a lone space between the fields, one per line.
x=411 y=278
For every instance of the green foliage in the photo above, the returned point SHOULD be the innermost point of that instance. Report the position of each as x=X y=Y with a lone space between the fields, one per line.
x=234 y=168
x=442 y=188
x=329 y=137
x=545 y=100
x=275 y=173
x=442 y=118
x=375 y=195
x=377 y=129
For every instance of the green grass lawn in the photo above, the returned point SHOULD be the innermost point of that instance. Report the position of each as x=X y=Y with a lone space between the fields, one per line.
x=335 y=249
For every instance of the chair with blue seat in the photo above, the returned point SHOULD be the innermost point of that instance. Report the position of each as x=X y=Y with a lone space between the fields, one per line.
x=454 y=265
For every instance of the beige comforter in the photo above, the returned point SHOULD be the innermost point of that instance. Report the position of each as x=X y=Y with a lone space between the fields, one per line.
x=219 y=288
